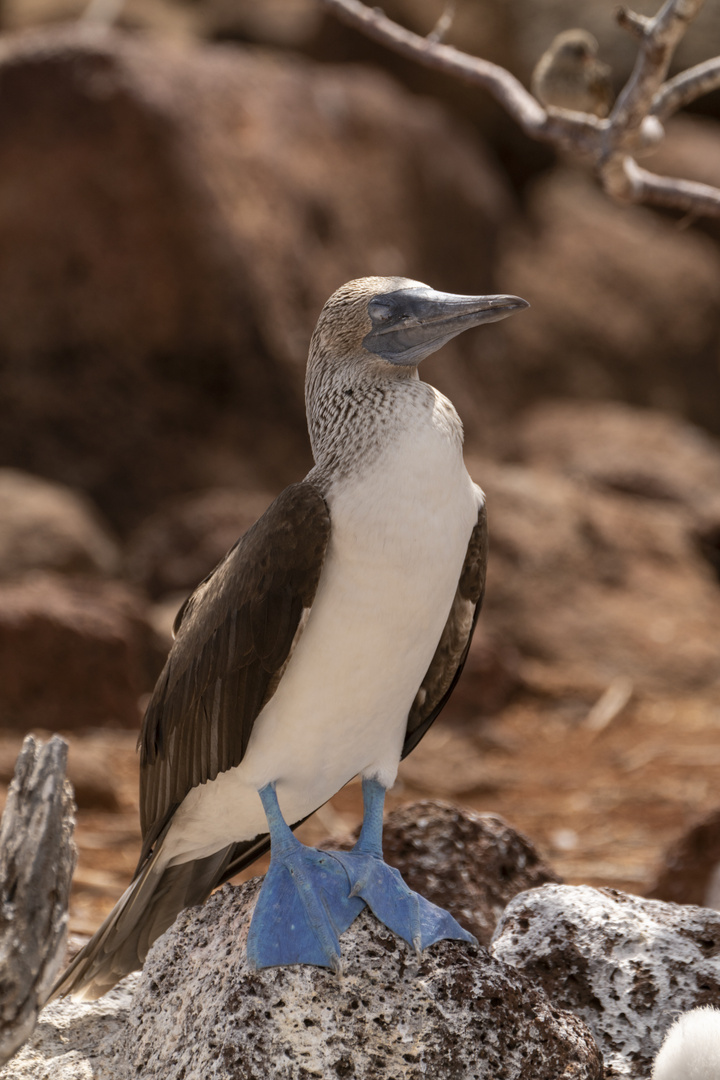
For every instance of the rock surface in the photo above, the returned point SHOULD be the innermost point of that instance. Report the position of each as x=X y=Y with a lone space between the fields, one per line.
x=45 y=526
x=471 y=864
x=73 y=653
x=690 y=870
x=624 y=305
x=178 y=218
x=596 y=581
x=456 y=1013
x=615 y=447
x=78 y=1041
x=627 y=966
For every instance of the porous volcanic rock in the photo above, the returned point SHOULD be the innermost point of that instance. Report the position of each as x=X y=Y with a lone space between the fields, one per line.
x=624 y=305
x=196 y=1011
x=454 y=1013
x=690 y=870
x=46 y=526
x=76 y=1040
x=171 y=223
x=627 y=966
x=73 y=653
x=469 y=863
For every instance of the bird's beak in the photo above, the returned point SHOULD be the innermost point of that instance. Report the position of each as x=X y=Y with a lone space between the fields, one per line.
x=410 y=324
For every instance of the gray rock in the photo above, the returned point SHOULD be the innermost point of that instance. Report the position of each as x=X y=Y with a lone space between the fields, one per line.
x=456 y=1013
x=625 y=965
x=78 y=1040
x=196 y=1011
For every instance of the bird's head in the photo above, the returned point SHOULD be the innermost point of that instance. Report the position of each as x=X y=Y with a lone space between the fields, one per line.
x=393 y=323
x=371 y=335
x=575 y=45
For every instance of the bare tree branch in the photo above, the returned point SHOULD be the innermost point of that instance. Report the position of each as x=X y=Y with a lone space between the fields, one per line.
x=635 y=24
x=686 y=87
x=657 y=45
x=37 y=858
x=508 y=90
x=444 y=22
x=609 y=146
x=688 y=195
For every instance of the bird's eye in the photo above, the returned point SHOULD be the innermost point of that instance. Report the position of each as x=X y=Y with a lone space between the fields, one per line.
x=380 y=311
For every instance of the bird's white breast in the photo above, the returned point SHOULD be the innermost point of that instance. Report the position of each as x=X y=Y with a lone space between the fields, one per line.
x=399 y=535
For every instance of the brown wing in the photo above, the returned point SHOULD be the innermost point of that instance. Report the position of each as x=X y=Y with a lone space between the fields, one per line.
x=233 y=637
x=454 y=645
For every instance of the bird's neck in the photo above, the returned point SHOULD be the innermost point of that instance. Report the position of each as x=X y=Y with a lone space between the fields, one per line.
x=354 y=419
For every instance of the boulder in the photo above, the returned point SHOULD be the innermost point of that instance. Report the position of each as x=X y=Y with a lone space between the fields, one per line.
x=689 y=872
x=73 y=653
x=625 y=965
x=624 y=305
x=78 y=1041
x=46 y=526
x=171 y=222
x=613 y=447
x=454 y=1012
x=598 y=583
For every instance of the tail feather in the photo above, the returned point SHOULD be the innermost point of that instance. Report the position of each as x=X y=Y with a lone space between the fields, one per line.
x=146 y=909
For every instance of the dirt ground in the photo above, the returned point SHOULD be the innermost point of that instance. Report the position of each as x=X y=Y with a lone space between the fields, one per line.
x=601 y=805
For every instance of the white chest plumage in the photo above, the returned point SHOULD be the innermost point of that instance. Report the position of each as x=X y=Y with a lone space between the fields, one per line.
x=399 y=535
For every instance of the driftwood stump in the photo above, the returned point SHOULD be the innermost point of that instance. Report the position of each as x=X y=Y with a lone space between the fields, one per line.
x=37 y=858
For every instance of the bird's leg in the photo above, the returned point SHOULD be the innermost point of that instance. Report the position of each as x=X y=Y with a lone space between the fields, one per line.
x=304 y=903
x=403 y=911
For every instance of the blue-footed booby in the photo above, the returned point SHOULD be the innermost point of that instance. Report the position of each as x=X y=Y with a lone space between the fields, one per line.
x=321 y=648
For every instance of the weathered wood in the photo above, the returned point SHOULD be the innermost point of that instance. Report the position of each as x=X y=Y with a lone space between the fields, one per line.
x=607 y=146
x=37 y=858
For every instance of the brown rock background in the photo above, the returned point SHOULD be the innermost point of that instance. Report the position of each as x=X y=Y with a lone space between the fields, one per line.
x=178 y=197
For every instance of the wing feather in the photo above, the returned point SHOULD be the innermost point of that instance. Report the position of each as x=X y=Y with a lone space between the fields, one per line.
x=233 y=636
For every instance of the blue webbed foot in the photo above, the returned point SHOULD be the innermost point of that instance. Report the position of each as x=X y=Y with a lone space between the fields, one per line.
x=406 y=913
x=304 y=903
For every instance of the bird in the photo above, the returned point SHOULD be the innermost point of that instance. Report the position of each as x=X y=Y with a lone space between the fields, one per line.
x=569 y=75
x=321 y=648
x=691 y=1048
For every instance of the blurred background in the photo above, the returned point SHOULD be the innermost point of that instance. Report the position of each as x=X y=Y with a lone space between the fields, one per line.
x=181 y=188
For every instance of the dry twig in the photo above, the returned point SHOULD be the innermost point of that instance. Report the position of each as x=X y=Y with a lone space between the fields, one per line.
x=609 y=146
